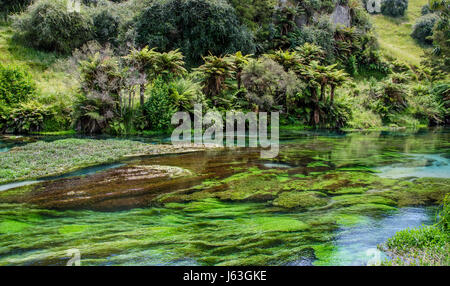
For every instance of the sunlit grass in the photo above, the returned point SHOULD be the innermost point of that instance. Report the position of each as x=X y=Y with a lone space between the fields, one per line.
x=43 y=66
x=394 y=34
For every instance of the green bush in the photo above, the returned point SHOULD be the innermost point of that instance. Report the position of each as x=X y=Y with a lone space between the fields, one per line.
x=425 y=105
x=423 y=28
x=48 y=25
x=197 y=27
x=27 y=117
x=159 y=108
x=394 y=8
x=320 y=34
x=12 y=6
x=98 y=103
x=106 y=25
x=16 y=85
x=425 y=9
x=268 y=85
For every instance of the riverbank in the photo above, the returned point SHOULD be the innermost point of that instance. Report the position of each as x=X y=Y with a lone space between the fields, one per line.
x=423 y=246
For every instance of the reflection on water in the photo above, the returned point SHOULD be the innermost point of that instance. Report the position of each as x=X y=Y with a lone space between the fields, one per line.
x=327 y=199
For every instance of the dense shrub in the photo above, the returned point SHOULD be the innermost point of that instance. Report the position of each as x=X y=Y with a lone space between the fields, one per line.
x=425 y=9
x=423 y=29
x=254 y=13
x=97 y=104
x=197 y=27
x=268 y=84
x=48 y=25
x=16 y=85
x=159 y=107
x=106 y=25
x=320 y=34
x=11 y=6
x=425 y=105
x=442 y=93
x=27 y=117
x=394 y=8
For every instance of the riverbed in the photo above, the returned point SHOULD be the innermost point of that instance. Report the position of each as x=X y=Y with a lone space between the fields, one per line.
x=329 y=198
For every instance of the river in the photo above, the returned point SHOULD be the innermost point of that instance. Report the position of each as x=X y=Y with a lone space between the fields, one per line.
x=329 y=198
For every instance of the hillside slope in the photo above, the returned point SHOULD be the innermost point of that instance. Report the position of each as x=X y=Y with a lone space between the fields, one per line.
x=394 y=34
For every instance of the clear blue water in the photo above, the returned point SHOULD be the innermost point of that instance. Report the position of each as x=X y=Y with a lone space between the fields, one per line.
x=420 y=166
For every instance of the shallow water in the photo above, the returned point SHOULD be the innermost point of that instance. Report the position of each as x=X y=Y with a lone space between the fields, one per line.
x=420 y=166
x=327 y=199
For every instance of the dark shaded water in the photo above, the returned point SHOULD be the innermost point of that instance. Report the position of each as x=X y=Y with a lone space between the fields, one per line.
x=327 y=199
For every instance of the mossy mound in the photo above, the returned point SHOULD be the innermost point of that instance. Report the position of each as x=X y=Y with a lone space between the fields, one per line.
x=300 y=200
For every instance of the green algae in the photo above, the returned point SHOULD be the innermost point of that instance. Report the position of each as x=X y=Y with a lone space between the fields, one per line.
x=231 y=213
x=68 y=229
x=348 y=200
x=317 y=164
x=300 y=200
x=12 y=226
x=43 y=159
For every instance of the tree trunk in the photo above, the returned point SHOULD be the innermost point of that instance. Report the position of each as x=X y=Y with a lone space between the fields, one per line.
x=332 y=93
x=142 y=92
x=316 y=115
x=322 y=92
x=239 y=80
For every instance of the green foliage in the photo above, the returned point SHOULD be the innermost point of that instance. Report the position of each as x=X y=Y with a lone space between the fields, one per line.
x=197 y=27
x=42 y=159
x=425 y=9
x=268 y=85
x=159 y=106
x=394 y=8
x=320 y=34
x=106 y=24
x=214 y=73
x=254 y=13
x=425 y=246
x=98 y=103
x=425 y=105
x=439 y=59
x=13 y=6
x=185 y=92
x=16 y=85
x=48 y=25
x=28 y=117
x=423 y=29
x=442 y=92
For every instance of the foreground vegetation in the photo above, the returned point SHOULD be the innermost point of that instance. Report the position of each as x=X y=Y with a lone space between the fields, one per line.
x=424 y=246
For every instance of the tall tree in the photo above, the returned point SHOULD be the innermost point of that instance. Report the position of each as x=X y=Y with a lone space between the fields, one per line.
x=143 y=62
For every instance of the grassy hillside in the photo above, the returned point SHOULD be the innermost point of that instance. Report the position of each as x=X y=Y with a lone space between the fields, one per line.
x=394 y=34
x=43 y=66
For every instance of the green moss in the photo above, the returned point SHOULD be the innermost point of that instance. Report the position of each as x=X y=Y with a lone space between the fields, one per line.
x=350 y=220
x=269 y=224
x=67 y=229
x=300 y=200
x=317 y=164
x=43 y=159
x=12 y=226
x=348 y=200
